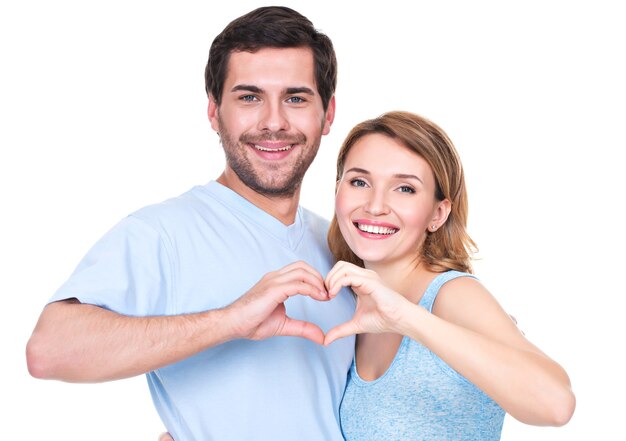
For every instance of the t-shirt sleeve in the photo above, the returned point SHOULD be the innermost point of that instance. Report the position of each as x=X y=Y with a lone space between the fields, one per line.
x=127 y=271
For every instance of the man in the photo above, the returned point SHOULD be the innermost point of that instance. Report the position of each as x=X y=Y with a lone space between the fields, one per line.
x=218 y=294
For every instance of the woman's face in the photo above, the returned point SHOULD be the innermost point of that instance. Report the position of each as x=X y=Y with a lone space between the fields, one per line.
x=385 y=201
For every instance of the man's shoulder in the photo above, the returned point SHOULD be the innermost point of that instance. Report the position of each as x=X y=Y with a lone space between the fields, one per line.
x=178 y=209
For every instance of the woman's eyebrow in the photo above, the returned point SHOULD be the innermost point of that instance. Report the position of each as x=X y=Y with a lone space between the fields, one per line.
x=395 y=175
x=358 y=170
x=407 y=176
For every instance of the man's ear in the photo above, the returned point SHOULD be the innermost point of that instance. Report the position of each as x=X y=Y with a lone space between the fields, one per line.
x=329 y=117
x=212 y=112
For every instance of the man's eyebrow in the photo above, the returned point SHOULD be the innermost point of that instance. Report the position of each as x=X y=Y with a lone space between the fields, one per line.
x=296 y=90
x=246 y=88
x=256 y=89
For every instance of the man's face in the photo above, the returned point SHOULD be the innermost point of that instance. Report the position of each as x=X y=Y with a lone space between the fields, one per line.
x=270 y=119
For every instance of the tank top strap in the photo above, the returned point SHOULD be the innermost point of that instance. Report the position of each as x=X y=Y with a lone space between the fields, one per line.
x=428 y=299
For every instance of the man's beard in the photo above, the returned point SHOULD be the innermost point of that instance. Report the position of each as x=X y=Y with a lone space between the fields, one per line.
x=288 y=180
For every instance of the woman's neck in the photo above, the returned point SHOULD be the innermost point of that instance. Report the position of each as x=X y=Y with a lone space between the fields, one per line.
x=407 y=278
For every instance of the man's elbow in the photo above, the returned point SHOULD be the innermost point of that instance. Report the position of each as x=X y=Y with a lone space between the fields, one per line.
x=38 y=358
x=46 y=358
x=46 y=350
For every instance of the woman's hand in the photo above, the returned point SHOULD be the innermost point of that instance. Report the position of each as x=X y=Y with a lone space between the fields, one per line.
x=378 y=308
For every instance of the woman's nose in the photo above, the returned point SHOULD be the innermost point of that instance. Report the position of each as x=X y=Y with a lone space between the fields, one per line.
x=376 y=204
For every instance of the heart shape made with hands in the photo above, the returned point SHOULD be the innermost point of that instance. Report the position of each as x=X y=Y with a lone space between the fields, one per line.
x=260 y=313
x=375 y=301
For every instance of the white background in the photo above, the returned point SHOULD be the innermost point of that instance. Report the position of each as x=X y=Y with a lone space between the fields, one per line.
x=102 y=111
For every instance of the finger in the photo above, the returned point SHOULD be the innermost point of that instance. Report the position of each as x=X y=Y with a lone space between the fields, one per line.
x=300 y=328
x=299 y=287
x=347 y=274
x=301 y=265
x=298 y=271
x=304 y=282
x=165 y=437
x=337 y=268
x=334 y=276
x=344 y=279
x=343 y=330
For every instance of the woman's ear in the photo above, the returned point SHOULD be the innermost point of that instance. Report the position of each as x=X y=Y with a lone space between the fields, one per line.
x=440 y=215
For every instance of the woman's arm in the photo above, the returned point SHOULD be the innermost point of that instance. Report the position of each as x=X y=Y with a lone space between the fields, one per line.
x=470 y=332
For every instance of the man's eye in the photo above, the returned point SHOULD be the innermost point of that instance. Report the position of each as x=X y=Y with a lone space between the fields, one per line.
x=247 y=98
x=295 y=100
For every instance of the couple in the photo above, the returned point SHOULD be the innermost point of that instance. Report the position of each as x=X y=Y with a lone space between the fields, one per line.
x=227 y=297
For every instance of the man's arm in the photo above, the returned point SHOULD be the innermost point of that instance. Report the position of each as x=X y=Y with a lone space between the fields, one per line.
x=84 y=343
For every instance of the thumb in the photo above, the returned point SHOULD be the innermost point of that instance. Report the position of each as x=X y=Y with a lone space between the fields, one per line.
x=299 y=328
x=343 y=330
x=165 y=437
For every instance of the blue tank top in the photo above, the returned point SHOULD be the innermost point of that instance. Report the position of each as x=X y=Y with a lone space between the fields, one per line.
x=419 y=397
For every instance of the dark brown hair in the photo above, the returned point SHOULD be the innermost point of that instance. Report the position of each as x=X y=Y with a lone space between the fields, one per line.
x=450 y=247
x=275 y=27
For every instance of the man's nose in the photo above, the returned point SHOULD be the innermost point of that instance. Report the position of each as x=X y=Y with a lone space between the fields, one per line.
x=273 y=118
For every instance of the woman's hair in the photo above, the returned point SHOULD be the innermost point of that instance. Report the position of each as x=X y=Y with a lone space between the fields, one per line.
x=271 y=27
x=450 y=246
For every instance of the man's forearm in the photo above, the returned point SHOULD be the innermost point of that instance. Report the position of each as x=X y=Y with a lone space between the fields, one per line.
x=84 y=343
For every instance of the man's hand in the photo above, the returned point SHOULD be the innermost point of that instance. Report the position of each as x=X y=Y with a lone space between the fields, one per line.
x=260 y=312
x=165 y=437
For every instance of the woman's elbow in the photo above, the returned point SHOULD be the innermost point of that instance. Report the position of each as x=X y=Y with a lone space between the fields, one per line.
x=553 y=410
x=563 y=409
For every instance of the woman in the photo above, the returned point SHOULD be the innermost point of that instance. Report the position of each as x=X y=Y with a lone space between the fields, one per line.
x=437 y=358
x=436 y=355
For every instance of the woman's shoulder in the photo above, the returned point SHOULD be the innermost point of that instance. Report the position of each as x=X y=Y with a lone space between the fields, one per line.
x=464 y=300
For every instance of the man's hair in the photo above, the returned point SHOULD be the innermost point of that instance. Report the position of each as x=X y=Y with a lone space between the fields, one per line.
x=271 y=27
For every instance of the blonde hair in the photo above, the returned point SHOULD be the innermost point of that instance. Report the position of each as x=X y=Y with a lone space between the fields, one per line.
x=450 y=246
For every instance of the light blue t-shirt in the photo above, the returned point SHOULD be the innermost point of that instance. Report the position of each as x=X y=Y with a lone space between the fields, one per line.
x=419 y=397
x=200 y=251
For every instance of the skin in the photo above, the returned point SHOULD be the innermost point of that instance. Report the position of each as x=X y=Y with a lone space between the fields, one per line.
x=270 y=121
x=388 y=187
x=401 y=200
x=387 y=184
x=271 y=100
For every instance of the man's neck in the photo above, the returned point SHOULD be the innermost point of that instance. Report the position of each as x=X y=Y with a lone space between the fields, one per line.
x=283 y=208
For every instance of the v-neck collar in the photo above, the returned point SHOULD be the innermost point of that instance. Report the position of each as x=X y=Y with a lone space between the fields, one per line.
x=289 y=235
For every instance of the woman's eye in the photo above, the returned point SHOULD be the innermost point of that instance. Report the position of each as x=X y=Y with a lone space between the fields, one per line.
x=358 y=183
x=406 y=189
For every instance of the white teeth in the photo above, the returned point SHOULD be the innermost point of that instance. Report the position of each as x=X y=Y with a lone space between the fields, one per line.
x=263 y=149
x=374 y=229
